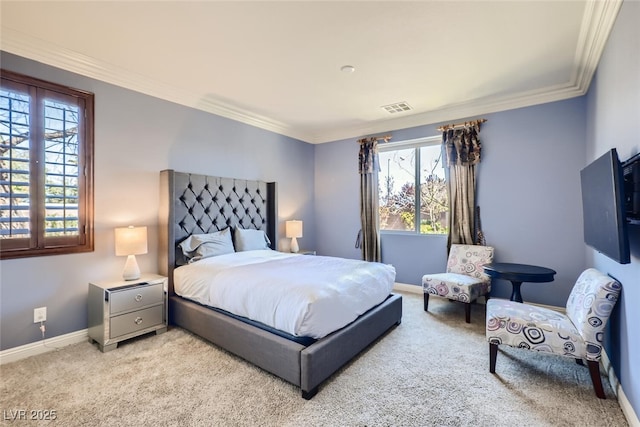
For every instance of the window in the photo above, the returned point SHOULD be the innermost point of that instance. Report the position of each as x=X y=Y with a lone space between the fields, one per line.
x=46 y=168
x=405 y=166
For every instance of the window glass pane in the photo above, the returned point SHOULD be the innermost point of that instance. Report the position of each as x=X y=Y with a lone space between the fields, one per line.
x=14 y=165
x=396 y=186
x=434 y=203
x=397 y=183
x=61 y=168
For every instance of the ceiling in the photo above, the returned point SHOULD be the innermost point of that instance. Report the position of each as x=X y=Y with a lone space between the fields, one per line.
x=277 y=65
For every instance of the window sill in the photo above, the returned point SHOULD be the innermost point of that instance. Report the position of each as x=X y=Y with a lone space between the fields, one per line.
x=410 y=233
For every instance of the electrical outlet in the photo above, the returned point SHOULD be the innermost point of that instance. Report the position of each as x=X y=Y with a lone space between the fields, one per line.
x=39 y=314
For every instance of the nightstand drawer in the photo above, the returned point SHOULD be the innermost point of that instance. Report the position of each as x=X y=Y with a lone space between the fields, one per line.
x=140 y=296
x=135 y=321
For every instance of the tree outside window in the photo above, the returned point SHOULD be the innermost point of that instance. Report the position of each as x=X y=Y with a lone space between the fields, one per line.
x=405 y=167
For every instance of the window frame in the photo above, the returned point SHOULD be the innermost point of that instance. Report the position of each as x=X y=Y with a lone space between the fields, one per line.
x=38 y=244
x=415 y=144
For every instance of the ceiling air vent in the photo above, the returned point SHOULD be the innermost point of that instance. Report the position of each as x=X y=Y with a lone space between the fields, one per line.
x=398 y=107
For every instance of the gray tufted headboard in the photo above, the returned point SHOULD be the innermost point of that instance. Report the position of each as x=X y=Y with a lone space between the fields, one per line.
x=195 y=204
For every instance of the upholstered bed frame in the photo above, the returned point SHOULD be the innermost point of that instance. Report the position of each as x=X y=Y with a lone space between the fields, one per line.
x=191 y=203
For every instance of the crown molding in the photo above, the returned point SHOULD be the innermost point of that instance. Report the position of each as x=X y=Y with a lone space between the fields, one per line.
x=597 y=22
x=36 y=49
x=457 y=112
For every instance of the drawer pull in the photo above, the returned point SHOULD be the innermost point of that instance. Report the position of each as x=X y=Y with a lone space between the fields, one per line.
x=138 y=298
x=138 y=320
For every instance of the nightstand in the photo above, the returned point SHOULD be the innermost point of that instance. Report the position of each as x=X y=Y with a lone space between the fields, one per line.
x=123 y=309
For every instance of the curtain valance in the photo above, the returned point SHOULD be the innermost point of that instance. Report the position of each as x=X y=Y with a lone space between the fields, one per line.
x=462 y=146
x=368 y=157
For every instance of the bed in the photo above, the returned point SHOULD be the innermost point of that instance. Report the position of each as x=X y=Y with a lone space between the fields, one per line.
x=196 y=204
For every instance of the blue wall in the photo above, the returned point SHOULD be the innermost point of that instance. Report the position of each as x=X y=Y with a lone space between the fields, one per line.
x=528 y=192
x=136 y=136
x=613 y=120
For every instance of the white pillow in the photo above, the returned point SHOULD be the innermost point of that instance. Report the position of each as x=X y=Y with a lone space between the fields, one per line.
x=250 y=240
x=198 y=246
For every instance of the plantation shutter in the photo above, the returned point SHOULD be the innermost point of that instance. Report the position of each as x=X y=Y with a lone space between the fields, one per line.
x=43 y=170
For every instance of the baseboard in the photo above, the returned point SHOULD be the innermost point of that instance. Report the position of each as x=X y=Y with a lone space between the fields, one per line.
x=414 y=289
x=403 y=287
x=43 y=346
x=625 y=405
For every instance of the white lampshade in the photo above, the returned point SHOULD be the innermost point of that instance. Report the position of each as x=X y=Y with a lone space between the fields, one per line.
x=131 y=241
x=293 y=230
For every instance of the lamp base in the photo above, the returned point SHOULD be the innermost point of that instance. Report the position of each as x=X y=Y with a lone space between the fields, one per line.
x=294 y=245
x=131 y=270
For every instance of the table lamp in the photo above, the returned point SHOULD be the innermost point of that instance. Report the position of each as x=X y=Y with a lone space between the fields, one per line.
x=293 y=230
x=131 y=241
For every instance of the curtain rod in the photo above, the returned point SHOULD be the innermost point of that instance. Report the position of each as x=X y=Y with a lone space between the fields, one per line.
x=461 y=125
x=386 y=138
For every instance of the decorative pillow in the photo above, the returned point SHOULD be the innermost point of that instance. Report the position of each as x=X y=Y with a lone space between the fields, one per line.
x=198 y=246
x=250 y=240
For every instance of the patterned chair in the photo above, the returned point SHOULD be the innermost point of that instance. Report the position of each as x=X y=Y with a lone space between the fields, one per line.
x=465 y=279
x=578 y=334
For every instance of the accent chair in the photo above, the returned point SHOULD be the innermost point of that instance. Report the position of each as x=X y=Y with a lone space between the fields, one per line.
x=577 y=334
x=465 y=279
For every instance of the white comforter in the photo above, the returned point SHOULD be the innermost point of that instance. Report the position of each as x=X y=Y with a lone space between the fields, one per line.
x=301 y=295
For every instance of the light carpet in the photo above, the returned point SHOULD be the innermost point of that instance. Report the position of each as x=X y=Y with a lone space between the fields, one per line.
x=432 y=370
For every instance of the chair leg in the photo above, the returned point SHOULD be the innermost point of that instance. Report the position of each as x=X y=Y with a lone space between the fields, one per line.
x=467 y=312
x=426 y=301
x=594 y=370
x=493 y=354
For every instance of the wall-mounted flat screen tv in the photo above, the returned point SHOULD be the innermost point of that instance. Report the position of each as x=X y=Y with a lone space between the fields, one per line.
x=603 y=210
x=631 y=173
